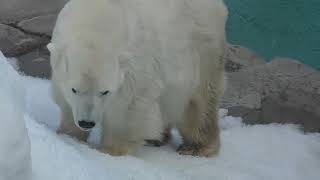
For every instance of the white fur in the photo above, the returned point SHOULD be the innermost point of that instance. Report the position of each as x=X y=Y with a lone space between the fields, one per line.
x=150 y=55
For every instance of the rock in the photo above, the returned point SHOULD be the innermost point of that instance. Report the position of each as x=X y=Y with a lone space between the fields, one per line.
x=39 y=25
x=36 y=63
x=282 y=91
x=14 y=42
x=238 y=57
x=25 y=28
x=13 y=11
x=274 y=111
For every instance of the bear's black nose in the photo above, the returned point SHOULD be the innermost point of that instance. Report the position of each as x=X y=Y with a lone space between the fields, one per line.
x=86 y=124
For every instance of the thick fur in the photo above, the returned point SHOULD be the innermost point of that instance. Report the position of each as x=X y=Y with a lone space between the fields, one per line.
x=161 y=60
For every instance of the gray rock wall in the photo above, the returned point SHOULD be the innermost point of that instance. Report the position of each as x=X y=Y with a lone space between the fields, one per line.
x=282 y=91
x=25 y=29
x=14 y=11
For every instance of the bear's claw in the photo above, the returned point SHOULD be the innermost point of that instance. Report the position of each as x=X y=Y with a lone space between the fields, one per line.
x=196 y=150
x=156 y=143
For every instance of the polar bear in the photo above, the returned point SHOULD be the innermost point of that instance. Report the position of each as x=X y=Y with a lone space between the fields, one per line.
x=139 y=68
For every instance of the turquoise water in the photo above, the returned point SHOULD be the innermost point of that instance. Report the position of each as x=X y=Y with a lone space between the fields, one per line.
x=277 y=28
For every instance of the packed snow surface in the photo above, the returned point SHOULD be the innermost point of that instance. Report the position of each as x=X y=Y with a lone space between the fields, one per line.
x=15 y=160
x=257 y=152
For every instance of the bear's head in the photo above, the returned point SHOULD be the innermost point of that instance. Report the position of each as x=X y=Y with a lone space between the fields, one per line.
x=89 y=79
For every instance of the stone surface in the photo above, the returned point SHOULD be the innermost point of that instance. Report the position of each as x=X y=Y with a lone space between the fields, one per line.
x=25 y=30
x=14 y=42
x=281 y=91
x=13 y=11
x=238 y=57
x=273 y=111
x=36 y=63
x=39 y=25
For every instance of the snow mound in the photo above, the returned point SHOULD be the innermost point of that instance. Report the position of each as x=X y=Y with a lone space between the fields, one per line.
x=15 y=160
x=258 y=152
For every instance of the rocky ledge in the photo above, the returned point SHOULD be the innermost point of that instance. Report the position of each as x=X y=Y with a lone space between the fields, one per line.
x=25 y=30
x=281 y=91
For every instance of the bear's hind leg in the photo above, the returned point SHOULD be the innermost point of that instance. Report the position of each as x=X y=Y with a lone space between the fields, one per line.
x=199 y=129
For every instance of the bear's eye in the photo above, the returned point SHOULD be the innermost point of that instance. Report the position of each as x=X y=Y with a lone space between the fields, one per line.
x=74 y=90
x=104 y=93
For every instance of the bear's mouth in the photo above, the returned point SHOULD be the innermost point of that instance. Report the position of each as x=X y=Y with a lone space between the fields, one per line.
x=86 y=125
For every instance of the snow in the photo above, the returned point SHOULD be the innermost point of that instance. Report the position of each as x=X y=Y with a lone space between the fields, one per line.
x=15 y=160
x=248 y=152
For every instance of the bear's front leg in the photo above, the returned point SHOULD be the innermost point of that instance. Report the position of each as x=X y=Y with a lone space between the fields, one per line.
x=118 y=141
x=120 y=148
x=125 y=132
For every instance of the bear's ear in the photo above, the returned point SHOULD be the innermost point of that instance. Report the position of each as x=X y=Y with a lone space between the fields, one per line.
x=56 y=59
x=51 y=47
